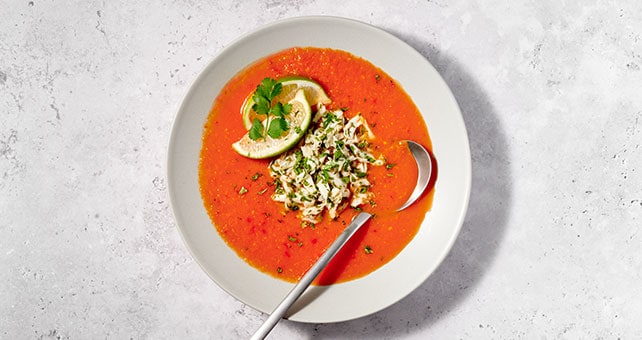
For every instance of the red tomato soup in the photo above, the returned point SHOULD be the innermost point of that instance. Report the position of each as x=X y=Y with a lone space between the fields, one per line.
x=273 y=239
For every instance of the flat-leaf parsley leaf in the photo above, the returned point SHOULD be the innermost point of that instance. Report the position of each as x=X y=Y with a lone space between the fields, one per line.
x=275 y=122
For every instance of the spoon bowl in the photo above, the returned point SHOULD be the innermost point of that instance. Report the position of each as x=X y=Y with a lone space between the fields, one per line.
x=424 y=171
x=424 y=166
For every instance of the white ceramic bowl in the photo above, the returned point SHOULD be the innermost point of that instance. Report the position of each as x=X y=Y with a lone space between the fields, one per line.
x=416 y=261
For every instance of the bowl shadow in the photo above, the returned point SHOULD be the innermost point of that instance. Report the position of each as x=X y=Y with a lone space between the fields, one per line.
x=481 y=233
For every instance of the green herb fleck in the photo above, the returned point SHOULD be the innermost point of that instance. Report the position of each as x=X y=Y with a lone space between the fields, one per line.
x=279 y=270
x=242 y=191
x=368 y=250
x=390 y=166
x=338 y=155
x=256 y=176
x=329 y=118
x=291 y=238
x=306 y=224
x=325 y=175
x=261 y=192
x=377 y=77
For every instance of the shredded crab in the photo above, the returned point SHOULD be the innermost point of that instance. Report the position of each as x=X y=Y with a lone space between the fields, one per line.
x=328 y=169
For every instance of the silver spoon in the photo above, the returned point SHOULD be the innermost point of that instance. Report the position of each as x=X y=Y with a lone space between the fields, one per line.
x=424 y=165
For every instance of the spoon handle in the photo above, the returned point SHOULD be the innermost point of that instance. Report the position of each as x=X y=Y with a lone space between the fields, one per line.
x=310 y=275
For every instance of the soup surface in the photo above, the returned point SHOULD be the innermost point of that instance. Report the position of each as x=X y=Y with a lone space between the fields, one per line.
x=237 y=191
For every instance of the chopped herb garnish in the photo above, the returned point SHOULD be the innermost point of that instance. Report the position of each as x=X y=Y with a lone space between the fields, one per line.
x=368 y=250
x=291 y=238
x=279 y=270
x=377 y=77
x=261 y=192
x=390 y=166
x=242 y=191
x=256 y=176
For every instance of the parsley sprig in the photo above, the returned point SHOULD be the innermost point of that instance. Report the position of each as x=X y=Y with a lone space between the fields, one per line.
x=274 y=112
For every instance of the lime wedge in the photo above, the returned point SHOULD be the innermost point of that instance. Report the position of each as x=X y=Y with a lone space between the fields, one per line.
x=298 y=120
x=314 y=93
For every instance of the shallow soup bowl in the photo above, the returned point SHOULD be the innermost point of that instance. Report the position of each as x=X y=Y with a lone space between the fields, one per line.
x=438 y=231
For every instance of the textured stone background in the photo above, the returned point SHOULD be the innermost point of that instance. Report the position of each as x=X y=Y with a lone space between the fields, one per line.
x=550 y=92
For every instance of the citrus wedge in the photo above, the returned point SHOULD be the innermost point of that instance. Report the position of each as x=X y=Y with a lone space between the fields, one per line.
x=314 y=93
x=298 y=120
